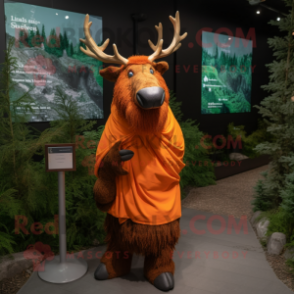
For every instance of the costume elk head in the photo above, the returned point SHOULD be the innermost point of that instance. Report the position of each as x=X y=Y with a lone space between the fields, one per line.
x=140 y=92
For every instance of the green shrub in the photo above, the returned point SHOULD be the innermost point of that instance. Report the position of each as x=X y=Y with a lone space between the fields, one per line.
x=26 y=189
x=277 y=109
x=261 y=200
x=290 y=263
x=267 y=192
x=281 y=219
x=287 y=204
x=198 y=171
x=250 y=142
x=38 y=199
x=277 y=222
x=265 y=199
x=9 y=206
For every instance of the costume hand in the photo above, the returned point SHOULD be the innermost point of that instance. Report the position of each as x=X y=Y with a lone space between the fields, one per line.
x=114 y=158
x=125 y=154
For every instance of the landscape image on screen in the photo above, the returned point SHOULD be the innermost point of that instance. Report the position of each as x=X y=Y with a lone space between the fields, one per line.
x=226 y=74
x=50 y=63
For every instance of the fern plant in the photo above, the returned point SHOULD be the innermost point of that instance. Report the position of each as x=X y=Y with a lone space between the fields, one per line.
x=31 y=192
x=84 y=220
x=18 y=145
x=10 y=206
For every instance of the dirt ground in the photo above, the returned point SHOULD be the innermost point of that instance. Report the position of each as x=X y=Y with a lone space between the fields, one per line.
x=278 y=263
x=11 y=286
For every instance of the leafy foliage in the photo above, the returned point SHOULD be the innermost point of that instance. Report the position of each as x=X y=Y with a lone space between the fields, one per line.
x=26 y=190
x=287 y=205
x=10 y=206
x=198 y=170
x=290 y=263
x=250 y=142
x=277 y=111
x=274 y=194
x=279 y=222
x=261 y=200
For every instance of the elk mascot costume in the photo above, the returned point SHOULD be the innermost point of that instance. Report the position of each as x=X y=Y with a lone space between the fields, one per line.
x=138 y=161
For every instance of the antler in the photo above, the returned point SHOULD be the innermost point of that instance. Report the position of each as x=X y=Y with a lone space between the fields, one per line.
x=175 y=44
x=93 y=50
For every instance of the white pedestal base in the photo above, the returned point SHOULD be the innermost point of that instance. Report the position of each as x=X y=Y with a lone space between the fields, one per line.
x=59 y=273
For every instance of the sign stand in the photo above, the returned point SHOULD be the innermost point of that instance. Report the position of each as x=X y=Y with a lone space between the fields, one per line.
x=61 y=158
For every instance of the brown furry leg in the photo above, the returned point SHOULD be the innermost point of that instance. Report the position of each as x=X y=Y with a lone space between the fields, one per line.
x=118 y=262
x=156 y=265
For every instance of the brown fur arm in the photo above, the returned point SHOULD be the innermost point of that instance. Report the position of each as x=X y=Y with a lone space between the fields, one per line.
x=105 y=186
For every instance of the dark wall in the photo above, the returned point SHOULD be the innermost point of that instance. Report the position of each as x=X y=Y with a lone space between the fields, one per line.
x=215 y=15
x=118 y=26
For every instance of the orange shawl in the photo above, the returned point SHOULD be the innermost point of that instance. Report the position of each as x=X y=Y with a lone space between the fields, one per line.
x=150 y=193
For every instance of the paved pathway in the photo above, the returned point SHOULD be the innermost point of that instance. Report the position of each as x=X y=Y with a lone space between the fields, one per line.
x=216 y=261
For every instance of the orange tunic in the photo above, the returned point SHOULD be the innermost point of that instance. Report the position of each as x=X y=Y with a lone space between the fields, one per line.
x=150 y=193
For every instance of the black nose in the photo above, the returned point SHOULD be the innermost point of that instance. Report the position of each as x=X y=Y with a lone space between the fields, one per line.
x=150 y=97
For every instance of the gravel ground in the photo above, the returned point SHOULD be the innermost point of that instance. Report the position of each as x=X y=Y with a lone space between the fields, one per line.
x=278 y=263
x=12 y=285
x=230 y=196
x=233 y=196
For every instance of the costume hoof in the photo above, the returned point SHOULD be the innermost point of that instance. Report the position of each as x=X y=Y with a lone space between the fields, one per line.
x=101 y=272
x=164 y=282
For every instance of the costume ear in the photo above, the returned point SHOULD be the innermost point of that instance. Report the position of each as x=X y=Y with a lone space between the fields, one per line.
x=110 y=73
x=161 y=66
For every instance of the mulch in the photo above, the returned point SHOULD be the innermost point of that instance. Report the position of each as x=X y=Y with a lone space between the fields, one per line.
x=278 y=263
x=12 y=285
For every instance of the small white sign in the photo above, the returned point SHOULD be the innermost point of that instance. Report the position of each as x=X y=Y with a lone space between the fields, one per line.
x=60 y=157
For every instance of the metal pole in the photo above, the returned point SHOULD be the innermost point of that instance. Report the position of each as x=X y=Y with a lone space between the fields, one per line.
x=62 y=223
x=61 y=270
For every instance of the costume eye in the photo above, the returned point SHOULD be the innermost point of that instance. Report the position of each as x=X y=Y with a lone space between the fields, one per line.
x=130 y=74
x=151 y=71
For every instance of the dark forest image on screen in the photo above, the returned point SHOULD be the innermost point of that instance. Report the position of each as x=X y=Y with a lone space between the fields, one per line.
x=50 y=62
x=226 y=74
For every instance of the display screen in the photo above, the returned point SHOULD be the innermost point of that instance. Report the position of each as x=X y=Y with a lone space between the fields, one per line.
x=226 y=74
x=50 y=64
